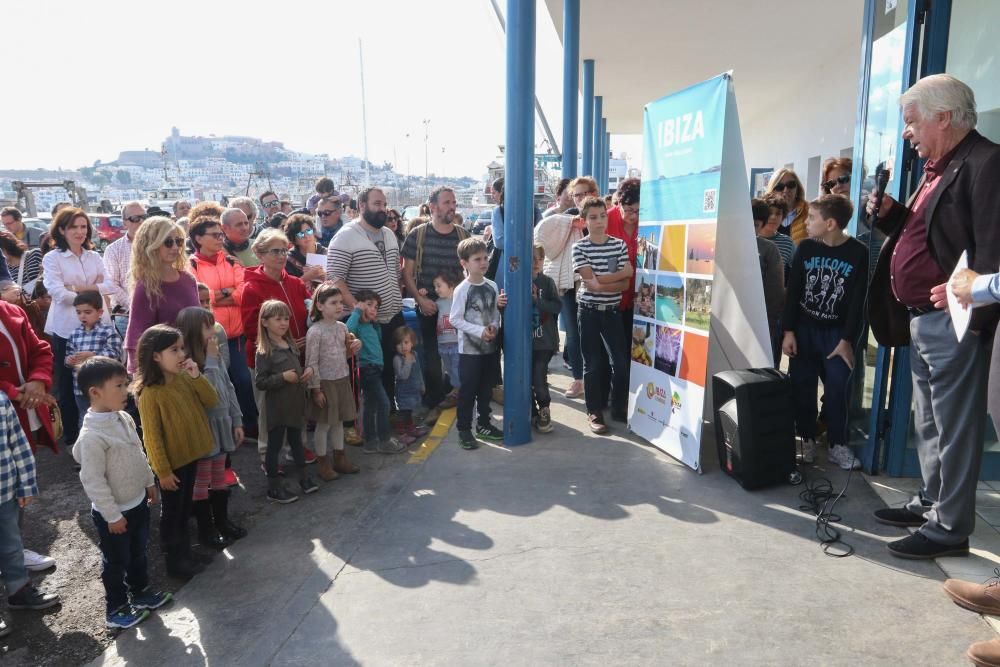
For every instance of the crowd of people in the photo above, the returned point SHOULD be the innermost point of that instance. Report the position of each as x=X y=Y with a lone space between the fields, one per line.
x=218 y=323
x=255 y=320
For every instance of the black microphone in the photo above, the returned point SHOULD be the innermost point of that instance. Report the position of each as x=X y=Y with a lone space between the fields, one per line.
x=881 y=182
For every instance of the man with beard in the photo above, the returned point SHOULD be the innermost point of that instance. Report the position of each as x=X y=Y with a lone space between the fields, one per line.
x=428 y=251
x=364 y=255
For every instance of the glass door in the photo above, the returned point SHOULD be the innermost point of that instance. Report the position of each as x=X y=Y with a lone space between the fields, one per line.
x=887 y=61
x=957 y=39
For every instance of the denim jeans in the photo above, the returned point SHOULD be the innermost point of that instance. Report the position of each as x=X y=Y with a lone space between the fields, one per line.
x=12 y=569
x=123 y=556
x=239 y=375
x=375 y=405
x=82 y=405
x=572 y=325
x=433 y=376
x=62 y=382
x=478 y=373
x=539 y=380
x=600 y=333
x=449 y=356
x=388 y=351
x=805 y=370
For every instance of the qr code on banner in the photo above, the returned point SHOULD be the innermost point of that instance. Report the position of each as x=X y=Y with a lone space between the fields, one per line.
x=708 y=204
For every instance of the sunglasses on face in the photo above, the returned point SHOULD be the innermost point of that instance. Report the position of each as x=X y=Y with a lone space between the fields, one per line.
x=218 y=236
x=632 y=210
x=276 y=252
x=325 y=214
x=135 y=218
x=173 y=241
x=781 y=187
x=272 y=203
x=304 y=233
x=392 y=218
x=843 y=180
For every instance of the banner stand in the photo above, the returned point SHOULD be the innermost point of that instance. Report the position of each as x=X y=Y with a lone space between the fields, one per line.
x=699 y=301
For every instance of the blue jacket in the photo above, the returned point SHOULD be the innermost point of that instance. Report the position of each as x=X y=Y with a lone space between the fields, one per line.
x=370 y=335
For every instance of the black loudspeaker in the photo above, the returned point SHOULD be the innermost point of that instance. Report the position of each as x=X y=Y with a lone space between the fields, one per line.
x=755 y=426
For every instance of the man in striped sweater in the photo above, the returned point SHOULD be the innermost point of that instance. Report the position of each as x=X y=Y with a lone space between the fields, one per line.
x=364 y=255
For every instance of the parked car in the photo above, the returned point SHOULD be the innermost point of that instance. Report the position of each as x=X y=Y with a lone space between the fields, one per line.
x=109 y=227
x=482 y=222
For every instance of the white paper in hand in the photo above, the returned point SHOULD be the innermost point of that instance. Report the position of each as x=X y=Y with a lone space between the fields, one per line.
x=315 y=259
x=960 y=315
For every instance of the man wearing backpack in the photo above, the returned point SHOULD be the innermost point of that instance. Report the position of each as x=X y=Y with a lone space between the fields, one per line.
x=428 y=251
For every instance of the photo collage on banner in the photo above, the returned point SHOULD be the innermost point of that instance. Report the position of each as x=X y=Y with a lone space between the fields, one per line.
x=682 y=166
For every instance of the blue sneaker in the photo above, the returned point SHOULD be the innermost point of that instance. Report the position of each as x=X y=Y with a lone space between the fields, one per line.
x=148 y=599
x=126 y=616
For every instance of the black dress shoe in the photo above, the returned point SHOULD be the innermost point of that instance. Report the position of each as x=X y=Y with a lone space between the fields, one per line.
x=920 y=547
x=899 y=516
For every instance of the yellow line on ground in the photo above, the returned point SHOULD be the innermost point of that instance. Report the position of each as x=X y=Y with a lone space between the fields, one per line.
x=434 y=438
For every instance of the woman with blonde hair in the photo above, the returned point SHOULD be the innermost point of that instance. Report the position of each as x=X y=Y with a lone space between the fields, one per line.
x=161 y=285
x=787 y=185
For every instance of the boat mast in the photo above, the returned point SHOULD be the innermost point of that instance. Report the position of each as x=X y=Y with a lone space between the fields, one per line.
x=364 y=116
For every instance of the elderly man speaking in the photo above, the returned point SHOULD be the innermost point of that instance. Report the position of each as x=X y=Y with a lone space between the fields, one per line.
x=956 y=208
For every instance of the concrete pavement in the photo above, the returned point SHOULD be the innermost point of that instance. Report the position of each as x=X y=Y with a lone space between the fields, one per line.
x=571 y=550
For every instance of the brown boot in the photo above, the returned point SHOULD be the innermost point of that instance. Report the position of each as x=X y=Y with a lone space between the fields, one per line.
x=981 y=598
x=324 y=469
x=342 y=464
x=985 y=654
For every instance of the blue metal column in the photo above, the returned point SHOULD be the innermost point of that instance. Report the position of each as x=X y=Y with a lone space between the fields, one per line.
x=595 y=137
x=587 y=138
x=605 y=152
x=518 y=219
x=571 y=85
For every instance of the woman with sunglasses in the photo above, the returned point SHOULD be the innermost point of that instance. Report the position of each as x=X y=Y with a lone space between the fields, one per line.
x=836 y=176
x=300 y=230
x=394 y=222
x=162 y=286
x=223 y=274
x=786 y=184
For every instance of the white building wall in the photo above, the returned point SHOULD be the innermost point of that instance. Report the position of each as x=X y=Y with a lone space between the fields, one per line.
x=819 y=121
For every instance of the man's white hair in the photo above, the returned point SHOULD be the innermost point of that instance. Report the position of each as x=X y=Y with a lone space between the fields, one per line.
x=941 y=93
x=245 y=201
x=133 y=203
x=228 y=213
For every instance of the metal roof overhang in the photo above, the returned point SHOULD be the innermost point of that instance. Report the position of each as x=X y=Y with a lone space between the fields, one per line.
x=645 y=49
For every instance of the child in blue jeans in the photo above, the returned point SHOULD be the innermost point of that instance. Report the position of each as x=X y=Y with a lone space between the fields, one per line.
x=375 y=402
x=18 y=487
x=120 y=485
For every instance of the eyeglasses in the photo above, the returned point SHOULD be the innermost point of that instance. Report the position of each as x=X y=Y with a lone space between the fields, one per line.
x=218 y=236
x=276 y=252
x=843 y=180
x=308 y=231
x=393 y=218
x=632 y=210
x=580 y=195
x=135 y=218
x=272 y=203
x=173 y=241
x=325 y=214
x=791 y=185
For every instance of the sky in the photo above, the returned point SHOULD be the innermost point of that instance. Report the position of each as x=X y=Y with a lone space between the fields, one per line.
x=100 y=77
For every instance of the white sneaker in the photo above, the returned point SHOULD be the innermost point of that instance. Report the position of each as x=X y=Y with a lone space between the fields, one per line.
x=843 y=457
x=808 y=450
x=35 y=562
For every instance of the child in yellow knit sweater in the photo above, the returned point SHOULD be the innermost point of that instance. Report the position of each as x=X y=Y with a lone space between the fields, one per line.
x=173 y=396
